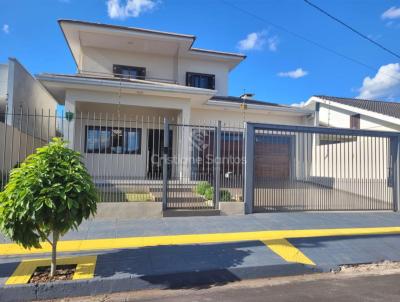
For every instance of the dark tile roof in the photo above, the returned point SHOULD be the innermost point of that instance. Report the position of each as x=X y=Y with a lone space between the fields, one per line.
x=383 y=107
x=238 y=100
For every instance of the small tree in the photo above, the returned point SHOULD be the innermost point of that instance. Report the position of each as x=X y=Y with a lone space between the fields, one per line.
x=50 y=193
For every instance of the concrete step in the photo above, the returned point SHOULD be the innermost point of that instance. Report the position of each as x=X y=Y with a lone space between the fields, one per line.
x=172 y=189
x=182 y=199
x=190 y=213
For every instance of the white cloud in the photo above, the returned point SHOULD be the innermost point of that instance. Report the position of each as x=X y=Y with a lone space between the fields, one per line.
x=301 y=104
x=252 y=41
x=6 y=28
x=385 y=84
x=273 y=43
x=294 y=74
x=257 y=41
x=131 y=8
x=391 y=13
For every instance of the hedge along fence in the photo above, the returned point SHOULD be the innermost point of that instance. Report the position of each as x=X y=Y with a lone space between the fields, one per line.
x=205 y=189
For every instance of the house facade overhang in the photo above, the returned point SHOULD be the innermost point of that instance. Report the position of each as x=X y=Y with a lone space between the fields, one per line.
x=79 y=34
x=58 y=84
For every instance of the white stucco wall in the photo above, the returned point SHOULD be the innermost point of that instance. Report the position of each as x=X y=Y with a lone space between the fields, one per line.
x=237 y=118
x=3 y=89
x=15 y=146
x=337 y=117
x=169 y=68
x=3 y=83
x=219 y=69
x=27 y=91
x=102 y=60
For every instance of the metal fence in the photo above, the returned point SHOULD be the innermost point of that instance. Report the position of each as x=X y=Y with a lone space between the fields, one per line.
x=20 y=134
x=124 y=154
x=206 y=166
x=291 y=168
x=158 y=158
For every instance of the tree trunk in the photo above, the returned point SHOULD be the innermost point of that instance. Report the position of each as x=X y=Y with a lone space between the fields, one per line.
x=54 y=254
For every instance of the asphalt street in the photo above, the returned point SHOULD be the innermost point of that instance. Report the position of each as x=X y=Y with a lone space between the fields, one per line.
x=336 y=288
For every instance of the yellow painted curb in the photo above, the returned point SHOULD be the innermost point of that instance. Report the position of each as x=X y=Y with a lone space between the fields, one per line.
x=136 y=242
x=85 y=266
x=287 y=251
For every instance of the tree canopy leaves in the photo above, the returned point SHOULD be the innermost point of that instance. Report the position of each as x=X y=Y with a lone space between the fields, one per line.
x=51 y=191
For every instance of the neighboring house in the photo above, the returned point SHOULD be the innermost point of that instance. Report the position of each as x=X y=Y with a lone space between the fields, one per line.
x=352 y=113
x=19 y=90
x=3 y=90
x=20 y=95
x=355 y=113
x=127 y=74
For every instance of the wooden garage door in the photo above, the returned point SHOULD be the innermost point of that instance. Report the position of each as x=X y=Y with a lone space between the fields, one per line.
x=272 y=157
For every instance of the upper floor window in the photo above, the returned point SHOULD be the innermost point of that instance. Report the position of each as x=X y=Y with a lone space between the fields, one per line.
x=355 y=121
x=200 y=80
x=129 y=72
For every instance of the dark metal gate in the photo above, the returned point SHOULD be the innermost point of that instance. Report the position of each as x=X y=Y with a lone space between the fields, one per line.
x=295 y=168
x=192 y=182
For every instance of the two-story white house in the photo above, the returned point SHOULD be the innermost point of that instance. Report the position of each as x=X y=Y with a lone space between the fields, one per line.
x=129 y=74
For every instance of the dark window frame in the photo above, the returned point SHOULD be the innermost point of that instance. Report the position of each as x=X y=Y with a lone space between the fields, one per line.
x=211 y=79
x=140 y=71
x=355 y=121
x=109 y=148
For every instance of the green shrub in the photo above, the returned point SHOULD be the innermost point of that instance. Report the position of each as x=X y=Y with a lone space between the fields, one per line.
x=202 y=187
x=50 y=193
x=209 y=193
x=225 y=195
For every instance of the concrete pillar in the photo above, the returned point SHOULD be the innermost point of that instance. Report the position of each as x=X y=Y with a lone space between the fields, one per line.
x=69 y=121
x=185 y=156
x=316 y=114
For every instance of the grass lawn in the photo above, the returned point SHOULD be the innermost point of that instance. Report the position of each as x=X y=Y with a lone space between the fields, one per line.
x=125 y=197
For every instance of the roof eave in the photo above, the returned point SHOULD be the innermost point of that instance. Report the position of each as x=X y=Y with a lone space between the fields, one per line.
x=237 y=57
x=116 y=84
x=373 y=114
x=261 y=107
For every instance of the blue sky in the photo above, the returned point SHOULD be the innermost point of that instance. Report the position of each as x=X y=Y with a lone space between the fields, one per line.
x=279 y=67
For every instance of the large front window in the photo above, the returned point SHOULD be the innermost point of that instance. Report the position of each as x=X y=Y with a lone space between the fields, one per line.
x=200 y=80
x=129 y=72
x=113 y=140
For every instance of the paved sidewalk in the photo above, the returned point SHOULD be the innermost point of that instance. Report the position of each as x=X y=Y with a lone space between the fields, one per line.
x=175 y=264
x=94 y=228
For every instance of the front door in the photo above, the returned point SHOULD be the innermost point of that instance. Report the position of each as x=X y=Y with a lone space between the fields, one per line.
x=155 y=144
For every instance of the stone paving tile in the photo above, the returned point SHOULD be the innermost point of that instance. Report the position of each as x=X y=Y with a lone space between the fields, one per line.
x=327 y=252
x=176 y=259
x=96 y=228
x=7 y=267
x=332 y=251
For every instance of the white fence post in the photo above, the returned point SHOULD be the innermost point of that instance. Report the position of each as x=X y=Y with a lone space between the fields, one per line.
x=165 y=165
x=249 y=169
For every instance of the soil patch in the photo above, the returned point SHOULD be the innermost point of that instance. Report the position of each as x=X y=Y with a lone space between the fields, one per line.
x=63 y=272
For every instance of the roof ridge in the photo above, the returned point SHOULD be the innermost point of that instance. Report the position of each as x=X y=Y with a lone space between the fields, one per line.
x=124 y=27
x=246 y=101
x=357 y=99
